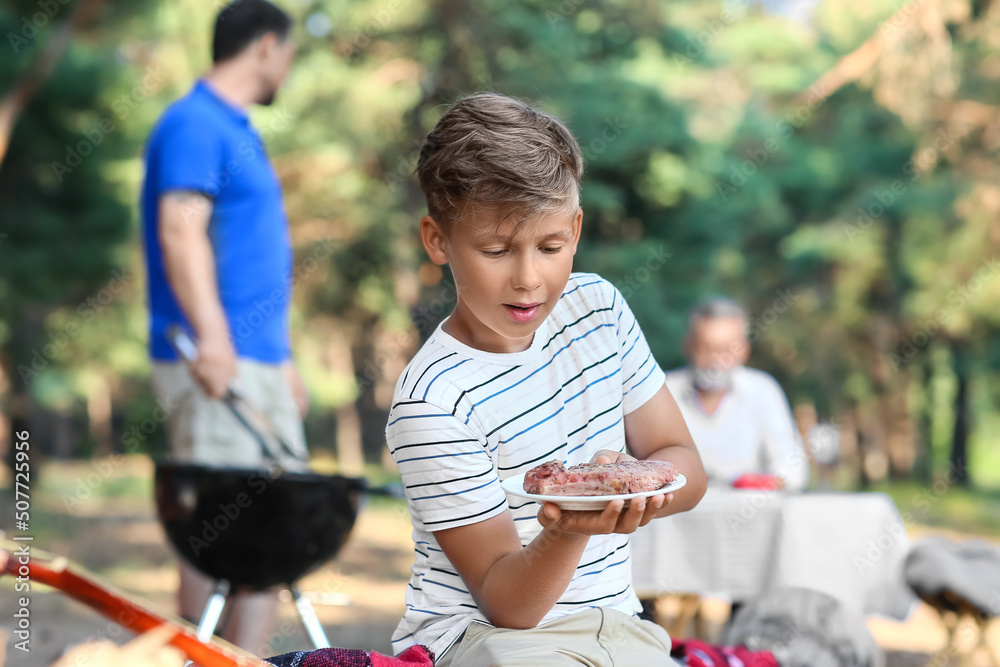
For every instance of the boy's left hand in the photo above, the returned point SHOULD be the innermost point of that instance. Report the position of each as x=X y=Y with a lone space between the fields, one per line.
x=611 y=456
x=613 y=519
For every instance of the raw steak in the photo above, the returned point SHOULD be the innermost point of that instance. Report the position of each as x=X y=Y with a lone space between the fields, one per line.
x=598 y=479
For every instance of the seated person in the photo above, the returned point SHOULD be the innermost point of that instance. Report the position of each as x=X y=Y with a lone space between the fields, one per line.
x=739 y=417
x=534 y=363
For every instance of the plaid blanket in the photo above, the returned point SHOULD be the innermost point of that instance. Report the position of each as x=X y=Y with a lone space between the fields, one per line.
x=700 y=654
x=415 y=656
x=694 y=653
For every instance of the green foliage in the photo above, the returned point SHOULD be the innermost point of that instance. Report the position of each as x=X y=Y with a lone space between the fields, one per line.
x=854 y=224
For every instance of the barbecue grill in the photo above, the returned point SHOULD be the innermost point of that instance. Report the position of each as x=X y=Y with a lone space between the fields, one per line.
x=255 y=532
x=253 y=529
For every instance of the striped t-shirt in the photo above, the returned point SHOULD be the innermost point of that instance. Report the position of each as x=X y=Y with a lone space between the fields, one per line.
x=463 y=419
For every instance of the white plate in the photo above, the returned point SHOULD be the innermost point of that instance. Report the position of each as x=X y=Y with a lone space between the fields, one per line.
x=514 y=486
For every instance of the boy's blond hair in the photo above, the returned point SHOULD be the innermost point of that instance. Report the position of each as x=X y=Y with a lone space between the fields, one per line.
x=491 y=150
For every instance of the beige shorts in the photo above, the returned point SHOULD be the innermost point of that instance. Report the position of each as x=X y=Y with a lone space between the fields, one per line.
x=596 y=637
x=203 y=430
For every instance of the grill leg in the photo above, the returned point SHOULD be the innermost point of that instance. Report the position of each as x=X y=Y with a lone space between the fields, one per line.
x=309 y=620
x=213 y=610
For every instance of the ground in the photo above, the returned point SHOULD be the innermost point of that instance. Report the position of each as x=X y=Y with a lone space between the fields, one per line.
x=103 y=517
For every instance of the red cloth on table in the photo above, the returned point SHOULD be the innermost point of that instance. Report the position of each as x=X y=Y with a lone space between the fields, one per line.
x=700 y=654
x=415 y=656
x=753 y=480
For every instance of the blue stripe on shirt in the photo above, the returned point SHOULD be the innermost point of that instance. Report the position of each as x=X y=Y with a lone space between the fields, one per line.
x=535 y=425
x=606 y=567
x=457 y=493
x=440 y=374
x=436 y=456
x=439 y=414
x=438 y=583
x=578 y=287
x=630 y=349
x=573 y=449
x=641 y=381
x=610 y=375
x=536 y=371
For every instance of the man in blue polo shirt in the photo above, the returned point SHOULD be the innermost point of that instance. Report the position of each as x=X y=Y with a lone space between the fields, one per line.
x=219 y=259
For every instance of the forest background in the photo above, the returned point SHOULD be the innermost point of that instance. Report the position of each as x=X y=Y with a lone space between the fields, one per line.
x=831 y=165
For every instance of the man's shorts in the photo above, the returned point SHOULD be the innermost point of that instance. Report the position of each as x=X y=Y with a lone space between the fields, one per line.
x=596 y=637
x=204 y=431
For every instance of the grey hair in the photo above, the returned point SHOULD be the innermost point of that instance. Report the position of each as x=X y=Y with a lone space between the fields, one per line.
x=714 y=308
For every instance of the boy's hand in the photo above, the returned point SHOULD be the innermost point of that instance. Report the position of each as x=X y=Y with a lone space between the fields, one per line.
x=613 y=519
x=611 y=456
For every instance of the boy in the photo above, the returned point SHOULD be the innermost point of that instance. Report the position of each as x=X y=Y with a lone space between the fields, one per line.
x=533 y=364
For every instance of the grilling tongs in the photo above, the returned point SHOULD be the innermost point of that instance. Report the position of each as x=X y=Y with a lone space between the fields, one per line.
x=273 y=448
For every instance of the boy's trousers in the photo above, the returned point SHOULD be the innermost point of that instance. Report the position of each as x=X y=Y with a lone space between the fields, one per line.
x=596 y=638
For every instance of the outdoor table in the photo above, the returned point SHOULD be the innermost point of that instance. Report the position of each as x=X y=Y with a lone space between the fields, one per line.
x=737 y=544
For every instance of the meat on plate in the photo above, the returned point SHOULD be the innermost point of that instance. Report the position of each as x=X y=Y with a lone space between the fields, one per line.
x=598 y=479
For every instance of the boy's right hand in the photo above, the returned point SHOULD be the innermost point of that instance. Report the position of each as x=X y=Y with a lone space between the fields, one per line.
x=612 y=519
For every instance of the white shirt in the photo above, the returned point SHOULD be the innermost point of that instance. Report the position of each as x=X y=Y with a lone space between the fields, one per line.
x=463 y=419
x=752 y=431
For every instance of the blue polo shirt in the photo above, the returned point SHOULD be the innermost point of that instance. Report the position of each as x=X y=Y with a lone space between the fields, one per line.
x=204 y=144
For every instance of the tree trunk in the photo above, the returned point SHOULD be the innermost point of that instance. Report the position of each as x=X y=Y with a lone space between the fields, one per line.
x=17 y=98
x=371 y=416
x=99 y=417
x=64 y=438
x=959 y=459
x=6 y=427
x=923 y=466
x=350 y=457
x=863 y=444
x=901 y=431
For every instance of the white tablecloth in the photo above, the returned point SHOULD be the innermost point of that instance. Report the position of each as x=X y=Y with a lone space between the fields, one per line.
x=737 y=544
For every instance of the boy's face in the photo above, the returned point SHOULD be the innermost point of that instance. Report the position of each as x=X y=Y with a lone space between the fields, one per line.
x=507 y=282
